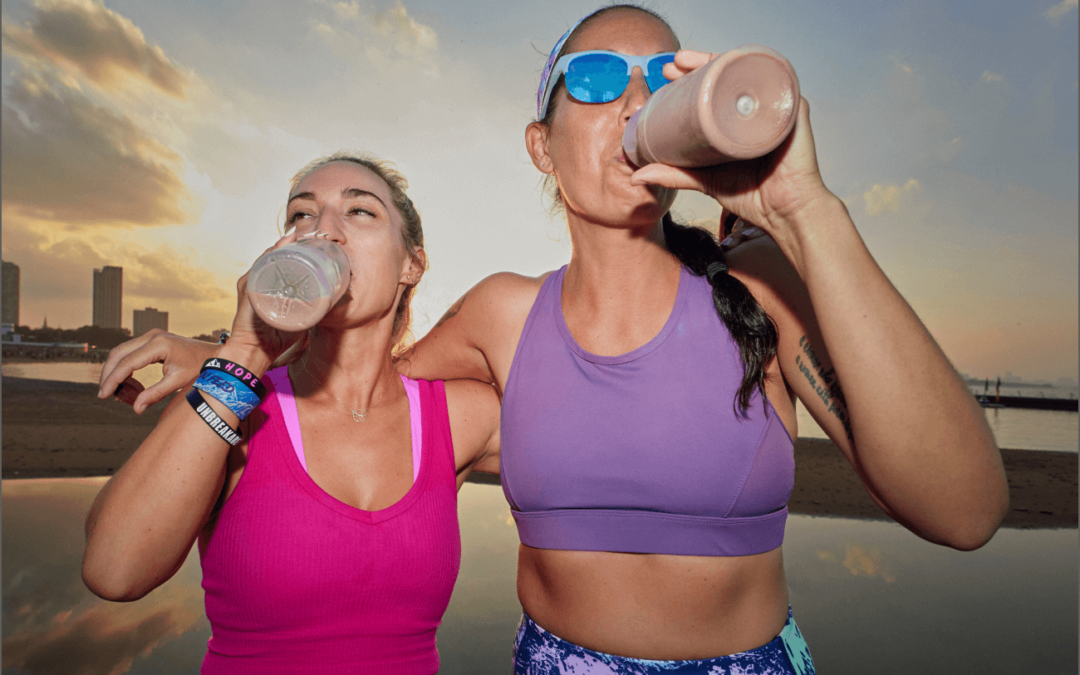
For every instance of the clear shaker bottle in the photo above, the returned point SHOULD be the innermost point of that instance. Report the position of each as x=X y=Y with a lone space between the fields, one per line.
x=740 y=105
x=293 y=287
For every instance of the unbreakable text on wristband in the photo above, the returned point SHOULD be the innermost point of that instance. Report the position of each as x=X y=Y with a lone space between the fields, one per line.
x=220 y=427
x=243 y=375
x=229 y=390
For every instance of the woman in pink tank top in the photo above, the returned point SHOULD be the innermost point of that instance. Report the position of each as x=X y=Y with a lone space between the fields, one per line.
x=328 y=532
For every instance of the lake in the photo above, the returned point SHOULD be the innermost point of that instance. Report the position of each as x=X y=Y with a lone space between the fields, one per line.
x=869 y=596
x=1013 y=428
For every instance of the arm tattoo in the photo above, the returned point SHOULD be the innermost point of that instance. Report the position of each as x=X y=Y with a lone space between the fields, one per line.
x=452 y=312
x=825 y=384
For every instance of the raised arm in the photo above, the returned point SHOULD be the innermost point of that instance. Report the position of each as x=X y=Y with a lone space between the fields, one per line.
x=873 y=378
x=850 y=346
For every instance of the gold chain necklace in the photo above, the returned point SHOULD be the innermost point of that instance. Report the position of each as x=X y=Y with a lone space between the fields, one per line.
x=358 y=414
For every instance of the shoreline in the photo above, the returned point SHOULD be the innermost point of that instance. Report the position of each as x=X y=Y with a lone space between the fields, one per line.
x=62 y=430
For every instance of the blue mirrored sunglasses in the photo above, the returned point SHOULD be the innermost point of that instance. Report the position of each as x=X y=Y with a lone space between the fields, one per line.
x=602 y=76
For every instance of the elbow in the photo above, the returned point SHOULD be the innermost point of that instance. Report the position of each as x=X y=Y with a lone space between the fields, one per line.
x=978 y=527
x=111 y=581
x=970 y=539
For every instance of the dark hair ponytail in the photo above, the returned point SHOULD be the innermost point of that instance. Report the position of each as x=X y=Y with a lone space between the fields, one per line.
x=752 y=329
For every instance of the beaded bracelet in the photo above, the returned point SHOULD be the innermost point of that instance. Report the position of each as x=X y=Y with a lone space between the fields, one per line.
x=244 y=376
x=220 y=426
x=230 y=390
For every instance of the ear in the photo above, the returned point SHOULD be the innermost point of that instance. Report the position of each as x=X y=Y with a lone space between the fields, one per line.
x=536 y=142
x=414 y=268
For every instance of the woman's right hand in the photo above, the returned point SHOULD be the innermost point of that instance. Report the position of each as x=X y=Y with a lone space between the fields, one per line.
x=182 y=358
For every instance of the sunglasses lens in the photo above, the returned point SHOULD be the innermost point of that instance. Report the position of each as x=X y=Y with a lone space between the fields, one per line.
x=597 y=78
x=655 y=77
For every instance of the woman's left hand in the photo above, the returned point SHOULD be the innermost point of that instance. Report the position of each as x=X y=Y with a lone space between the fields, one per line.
x=769 y=191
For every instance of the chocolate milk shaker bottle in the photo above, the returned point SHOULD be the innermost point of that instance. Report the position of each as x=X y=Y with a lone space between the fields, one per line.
x=293 y=287
x=740 y=105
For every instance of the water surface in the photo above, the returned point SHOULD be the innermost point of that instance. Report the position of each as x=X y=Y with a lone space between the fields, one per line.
x=869 y=596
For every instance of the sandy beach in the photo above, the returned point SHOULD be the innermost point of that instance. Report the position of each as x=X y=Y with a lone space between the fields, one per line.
x=61 y=429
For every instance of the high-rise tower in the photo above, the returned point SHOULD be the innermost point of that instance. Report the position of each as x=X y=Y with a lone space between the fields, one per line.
x=108 y=295
x=10 y=312
x=142 y=320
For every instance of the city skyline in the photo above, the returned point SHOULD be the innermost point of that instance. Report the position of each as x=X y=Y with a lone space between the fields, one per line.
x=161 y=139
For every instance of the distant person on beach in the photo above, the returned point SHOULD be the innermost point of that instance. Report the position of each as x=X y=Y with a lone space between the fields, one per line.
x=649 y=386
x=329 y=541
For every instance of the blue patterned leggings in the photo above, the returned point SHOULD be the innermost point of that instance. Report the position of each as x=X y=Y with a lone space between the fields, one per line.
x=538 y=652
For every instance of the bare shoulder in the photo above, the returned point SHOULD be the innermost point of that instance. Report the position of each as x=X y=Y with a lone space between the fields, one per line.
x=507 y=291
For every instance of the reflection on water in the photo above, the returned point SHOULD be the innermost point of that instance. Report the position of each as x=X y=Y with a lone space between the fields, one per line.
x=868 y=595
x=1013 y=428
x=53 y=624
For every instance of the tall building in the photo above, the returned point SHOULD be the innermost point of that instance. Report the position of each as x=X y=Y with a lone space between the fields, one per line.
x=108 y=294
x=10 y=280
x=142 y=320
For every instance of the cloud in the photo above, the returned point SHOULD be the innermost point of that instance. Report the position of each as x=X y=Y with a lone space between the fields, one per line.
x=411 y=38
x=900 y=65
x=988 y=76
x=859 y=561
x=91 y=39
x=56 y=268
x=104 y=639
x=379 y=35
x=1059 y=10
x=888 y=198
x=69 y=160
x=865 y=562
x=166 y=274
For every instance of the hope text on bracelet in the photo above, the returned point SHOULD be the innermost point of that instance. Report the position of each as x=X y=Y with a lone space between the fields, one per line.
x=229 y=390
x=220 y=427
x=242 y=374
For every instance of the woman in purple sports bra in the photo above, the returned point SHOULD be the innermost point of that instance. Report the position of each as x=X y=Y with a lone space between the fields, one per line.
x=649 y=390
x=322 y=492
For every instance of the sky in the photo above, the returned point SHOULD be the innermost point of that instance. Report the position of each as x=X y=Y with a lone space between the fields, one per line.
x=161 y=136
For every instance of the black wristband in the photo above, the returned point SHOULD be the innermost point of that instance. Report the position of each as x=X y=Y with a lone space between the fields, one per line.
x=220 y=426
x=246 y=377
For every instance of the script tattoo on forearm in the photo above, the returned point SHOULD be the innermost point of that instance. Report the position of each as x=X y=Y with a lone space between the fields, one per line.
x=825 y=384
x=452 y=312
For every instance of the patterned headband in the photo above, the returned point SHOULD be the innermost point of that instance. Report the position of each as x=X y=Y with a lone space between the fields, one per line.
x=551 y=62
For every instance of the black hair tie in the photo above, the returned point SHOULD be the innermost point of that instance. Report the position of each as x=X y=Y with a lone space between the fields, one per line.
x=715 y=269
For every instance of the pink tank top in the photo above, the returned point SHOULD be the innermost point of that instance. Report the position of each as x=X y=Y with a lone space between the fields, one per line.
x=297 y=581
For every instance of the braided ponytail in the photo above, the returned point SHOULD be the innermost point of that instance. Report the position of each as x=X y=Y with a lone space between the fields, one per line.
x=752 y=329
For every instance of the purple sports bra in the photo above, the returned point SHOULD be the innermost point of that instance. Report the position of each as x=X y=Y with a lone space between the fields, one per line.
x=641 y=452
